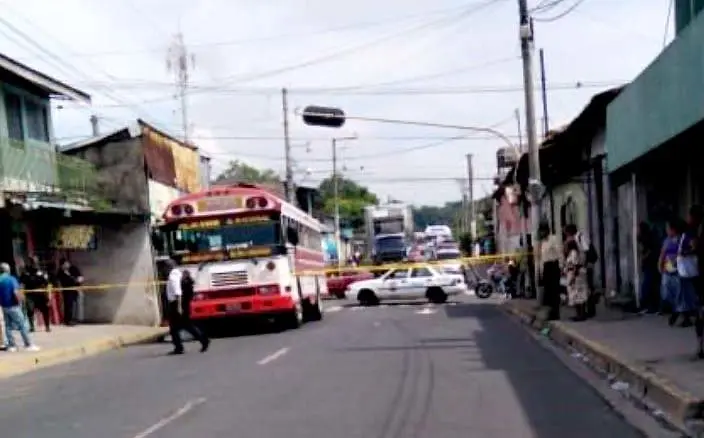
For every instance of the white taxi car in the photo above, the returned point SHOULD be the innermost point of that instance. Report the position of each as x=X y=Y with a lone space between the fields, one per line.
x=408 y=284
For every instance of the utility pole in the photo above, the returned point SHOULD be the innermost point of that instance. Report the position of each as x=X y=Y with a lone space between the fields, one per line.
x=470 y=196
x=527 y=40
x=544 y=94
x=180 y=61
x=290 y=190
x=336 y=200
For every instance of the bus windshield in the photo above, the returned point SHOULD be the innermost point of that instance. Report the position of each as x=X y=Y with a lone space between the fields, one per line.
x=226 y=237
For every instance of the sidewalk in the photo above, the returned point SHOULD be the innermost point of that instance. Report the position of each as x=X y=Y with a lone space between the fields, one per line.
x=66 y=344
x=655 y=360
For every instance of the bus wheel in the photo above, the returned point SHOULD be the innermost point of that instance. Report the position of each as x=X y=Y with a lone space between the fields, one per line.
x=313 y=312
x=293 y=319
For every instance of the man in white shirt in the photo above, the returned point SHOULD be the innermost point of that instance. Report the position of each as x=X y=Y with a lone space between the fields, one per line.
x=175 y=314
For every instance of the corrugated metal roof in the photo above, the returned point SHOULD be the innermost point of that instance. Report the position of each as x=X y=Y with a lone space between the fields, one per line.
x=159 y=160
x=41 y=80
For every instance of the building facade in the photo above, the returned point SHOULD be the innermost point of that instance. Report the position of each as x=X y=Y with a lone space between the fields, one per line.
x=653 y=128
x=140 y=170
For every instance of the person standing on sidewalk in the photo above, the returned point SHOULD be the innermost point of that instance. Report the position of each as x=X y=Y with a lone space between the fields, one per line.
x=11 y=302
x=575 y=274
x=70 y=279
x=35 y=280
x=649 y=280
x=177 y=320
x=549 y=259
x=696 y=218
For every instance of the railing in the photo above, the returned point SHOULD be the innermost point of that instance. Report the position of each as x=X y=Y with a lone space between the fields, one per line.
x=34 y=166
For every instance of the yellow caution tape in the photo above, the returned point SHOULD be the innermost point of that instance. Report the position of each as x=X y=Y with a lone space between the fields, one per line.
x=328 y=270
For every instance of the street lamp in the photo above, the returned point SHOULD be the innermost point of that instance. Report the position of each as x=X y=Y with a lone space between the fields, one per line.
x=316 y=115
x=336 y=194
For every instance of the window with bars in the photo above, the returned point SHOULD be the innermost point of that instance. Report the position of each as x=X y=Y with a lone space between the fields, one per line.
x=13 y=111
x=27 y=118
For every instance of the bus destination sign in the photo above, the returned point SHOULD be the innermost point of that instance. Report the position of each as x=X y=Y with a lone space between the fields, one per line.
x=231 y=254
x=212 y=224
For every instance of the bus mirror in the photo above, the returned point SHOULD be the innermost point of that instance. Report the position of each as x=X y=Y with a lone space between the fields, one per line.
x=292 y=236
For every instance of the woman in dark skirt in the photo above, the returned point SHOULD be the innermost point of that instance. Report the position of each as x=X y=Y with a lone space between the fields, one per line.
x=549 y=258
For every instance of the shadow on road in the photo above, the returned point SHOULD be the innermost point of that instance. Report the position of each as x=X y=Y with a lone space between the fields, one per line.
x=551 y=395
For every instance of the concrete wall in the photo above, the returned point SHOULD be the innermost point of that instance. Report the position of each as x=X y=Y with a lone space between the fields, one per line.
x=121 y=176
x=123 y=256
x=160 y=195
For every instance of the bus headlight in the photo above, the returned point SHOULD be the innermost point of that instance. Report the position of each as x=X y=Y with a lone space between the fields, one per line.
x=268 y=290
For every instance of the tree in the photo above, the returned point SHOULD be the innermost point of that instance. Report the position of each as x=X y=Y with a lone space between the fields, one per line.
x=237 y=171
x=451 y=214
x=352 y=200
x=466 y=243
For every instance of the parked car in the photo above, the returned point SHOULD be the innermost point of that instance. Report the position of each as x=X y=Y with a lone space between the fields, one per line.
x=408 y=283
x=338 y=283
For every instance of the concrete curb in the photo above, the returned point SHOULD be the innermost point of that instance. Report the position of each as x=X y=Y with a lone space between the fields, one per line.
x=24 y=363
x=677 y=404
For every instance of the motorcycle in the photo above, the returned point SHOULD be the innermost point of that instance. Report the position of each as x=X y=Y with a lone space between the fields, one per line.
x=483 y=288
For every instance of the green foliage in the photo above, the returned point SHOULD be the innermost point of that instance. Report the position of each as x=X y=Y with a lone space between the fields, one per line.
x=237 y=171
x=353 y=199
x=451 y=214
x=466 y=241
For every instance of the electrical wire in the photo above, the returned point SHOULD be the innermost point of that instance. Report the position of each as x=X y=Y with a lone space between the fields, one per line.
x=349 y=50
x=563 y=14
x=64 y=66
x=424 y=91
x=546 y=5
x=282 y=36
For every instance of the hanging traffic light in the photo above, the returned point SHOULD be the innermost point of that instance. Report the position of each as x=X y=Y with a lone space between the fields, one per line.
x=314 y=115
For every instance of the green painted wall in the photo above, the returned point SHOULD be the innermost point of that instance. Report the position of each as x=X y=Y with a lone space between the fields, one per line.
x=685 y=12
x=665 y=100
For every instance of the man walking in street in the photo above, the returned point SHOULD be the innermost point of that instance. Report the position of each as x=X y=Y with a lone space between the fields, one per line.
x=11 y=302
x=177 y=319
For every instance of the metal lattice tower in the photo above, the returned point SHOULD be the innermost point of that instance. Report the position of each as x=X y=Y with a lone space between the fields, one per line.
x=180 y=62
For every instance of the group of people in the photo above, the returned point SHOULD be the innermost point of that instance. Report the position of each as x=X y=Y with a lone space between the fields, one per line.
x=21 y=298
x=566 y=272
x=671 y=272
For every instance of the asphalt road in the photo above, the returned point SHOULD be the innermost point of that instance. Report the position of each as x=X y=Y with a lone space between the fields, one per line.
x=455 y=371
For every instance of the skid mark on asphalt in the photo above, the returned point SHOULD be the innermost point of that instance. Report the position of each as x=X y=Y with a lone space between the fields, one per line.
x=171 y=418
x=273 y=356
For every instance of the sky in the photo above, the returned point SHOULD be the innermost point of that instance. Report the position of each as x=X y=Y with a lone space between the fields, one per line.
x=446 y=61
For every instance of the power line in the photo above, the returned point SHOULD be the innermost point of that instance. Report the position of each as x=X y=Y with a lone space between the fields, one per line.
x=426 y=91
x=344 y=52
x=136 y=83
x=563 y=14
x=277 y=37
x=64 y=66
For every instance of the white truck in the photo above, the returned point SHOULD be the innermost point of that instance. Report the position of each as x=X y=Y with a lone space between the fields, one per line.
x=389 y=230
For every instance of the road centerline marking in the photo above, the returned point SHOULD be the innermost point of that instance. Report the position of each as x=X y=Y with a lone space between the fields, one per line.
x=273 y=356
x=171 y=418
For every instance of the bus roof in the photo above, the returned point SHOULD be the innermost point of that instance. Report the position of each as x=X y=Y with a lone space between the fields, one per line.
x=232 y=199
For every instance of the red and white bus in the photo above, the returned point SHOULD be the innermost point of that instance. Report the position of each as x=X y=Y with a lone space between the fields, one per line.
x=249 y=252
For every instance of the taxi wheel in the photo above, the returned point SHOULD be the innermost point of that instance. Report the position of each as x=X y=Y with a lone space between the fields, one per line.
x=436 y=295
x=367 y=297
